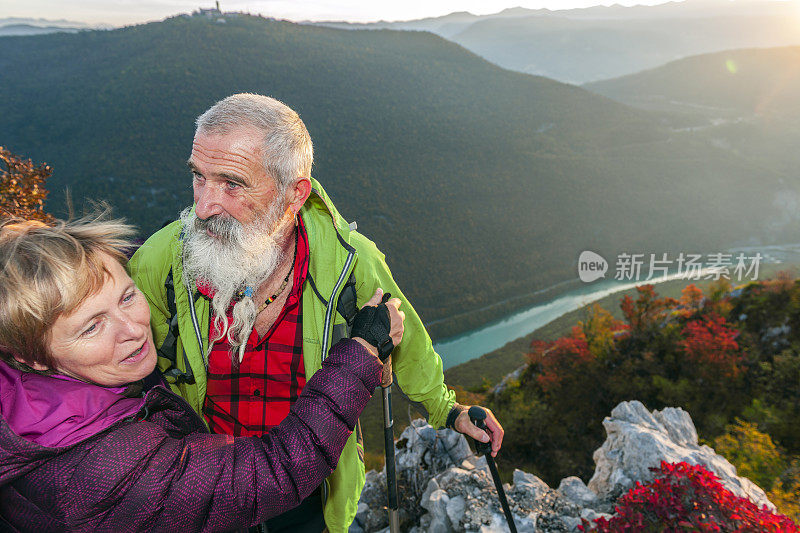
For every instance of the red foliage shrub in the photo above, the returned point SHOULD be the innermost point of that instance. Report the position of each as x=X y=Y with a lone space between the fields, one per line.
x=686 y=497
x=561 y=358
x=711 y=343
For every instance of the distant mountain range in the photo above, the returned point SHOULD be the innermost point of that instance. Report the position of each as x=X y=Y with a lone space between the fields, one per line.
x=28 y=26
x=581 y=45
x=750 y=82
x=744 y=102
x=479 y=183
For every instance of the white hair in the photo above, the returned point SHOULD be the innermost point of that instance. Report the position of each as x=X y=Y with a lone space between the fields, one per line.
x=287 y=150
x=239 y=257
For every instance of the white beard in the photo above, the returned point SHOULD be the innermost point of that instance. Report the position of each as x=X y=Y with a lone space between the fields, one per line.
x=239 y=257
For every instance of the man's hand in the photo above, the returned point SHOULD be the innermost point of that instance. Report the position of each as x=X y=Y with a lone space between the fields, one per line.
x=396 y=318
x=495 y=430
x=395 y=314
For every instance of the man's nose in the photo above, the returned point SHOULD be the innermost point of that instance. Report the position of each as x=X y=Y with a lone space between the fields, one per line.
x=207 y=201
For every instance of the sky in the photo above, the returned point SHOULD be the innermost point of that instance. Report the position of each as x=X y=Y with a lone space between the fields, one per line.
x=122 y=12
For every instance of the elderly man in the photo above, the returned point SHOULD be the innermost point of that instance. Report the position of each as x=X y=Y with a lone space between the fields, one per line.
x=245 y=293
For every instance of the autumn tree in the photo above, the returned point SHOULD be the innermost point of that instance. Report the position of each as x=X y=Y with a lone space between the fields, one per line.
x=648 y=310
x=22 y=191
x=691 y=300
x=710 y=343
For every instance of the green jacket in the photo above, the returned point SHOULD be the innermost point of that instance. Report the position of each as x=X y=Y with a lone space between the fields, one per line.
x=335 y=252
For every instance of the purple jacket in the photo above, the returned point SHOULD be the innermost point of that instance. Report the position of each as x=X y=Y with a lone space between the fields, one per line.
x=87 y=462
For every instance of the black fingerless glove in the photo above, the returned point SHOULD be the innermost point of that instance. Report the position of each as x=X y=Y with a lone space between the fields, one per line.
x=373 y=325
x=457 y=409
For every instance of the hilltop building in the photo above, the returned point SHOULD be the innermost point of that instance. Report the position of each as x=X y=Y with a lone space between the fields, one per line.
x=211 y=12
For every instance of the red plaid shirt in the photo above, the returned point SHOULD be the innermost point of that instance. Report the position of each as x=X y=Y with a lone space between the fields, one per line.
x=252 y=397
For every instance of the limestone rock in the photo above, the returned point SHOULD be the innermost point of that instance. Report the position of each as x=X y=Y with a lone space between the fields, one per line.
x=591 y=515
x=575 y=490
x=571 y=523
x=436 y=504
x=444 y=488
x=481 y=464
x=638 y=440
x=371 y=514
x=678 y=424
x=530 y=483
x=440 y=525
x=456 y=508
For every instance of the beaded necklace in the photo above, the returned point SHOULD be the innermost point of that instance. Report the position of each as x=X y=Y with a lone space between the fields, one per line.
x=248 y=291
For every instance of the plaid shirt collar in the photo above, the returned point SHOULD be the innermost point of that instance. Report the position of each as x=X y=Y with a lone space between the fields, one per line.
x=256 y=395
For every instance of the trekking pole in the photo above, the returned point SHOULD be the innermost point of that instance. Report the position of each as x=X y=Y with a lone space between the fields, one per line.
x=388 y=444
x=477 y=415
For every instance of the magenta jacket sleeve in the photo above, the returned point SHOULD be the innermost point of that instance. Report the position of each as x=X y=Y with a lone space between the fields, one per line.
x=153 y=476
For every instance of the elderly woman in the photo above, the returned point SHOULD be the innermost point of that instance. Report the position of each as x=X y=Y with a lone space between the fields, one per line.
x=90 y=439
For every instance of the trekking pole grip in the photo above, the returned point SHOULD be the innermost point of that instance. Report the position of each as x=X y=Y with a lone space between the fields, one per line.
x=386 y=374
x=477 y=415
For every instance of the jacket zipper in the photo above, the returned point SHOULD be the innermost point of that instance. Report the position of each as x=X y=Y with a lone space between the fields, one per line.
x=326 y=329
x=329 y=310
x=196 y=326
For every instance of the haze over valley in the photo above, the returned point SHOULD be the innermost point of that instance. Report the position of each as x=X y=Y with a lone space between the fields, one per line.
x=481 y=184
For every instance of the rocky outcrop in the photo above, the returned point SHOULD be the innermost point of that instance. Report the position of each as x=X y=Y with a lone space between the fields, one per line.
x=508 y=379
x=444 y=488
x=639 y=440
x=421 y=454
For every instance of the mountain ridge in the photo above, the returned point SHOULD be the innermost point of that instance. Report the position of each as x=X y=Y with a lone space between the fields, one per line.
x=600 y=42
x=479 y=183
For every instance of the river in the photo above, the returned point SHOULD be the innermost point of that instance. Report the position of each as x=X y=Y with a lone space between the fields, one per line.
x=467 y=346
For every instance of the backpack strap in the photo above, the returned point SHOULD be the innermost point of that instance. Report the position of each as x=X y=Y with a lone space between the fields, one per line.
x=346 y=306
x=169 y=348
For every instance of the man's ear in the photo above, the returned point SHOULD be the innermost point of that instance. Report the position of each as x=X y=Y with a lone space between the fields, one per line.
x=299 y=193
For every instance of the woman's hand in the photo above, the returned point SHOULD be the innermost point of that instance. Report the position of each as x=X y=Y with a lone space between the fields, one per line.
x=395 y=316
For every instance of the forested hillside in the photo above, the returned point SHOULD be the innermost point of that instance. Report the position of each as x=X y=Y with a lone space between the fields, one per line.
x=480 y=184
x=727 y=356
x=744 y=102
x=762 y=81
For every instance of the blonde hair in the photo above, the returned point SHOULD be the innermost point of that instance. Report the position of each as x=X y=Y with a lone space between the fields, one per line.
x=47 y=271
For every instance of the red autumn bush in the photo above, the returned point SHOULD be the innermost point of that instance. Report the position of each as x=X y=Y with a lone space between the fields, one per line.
x=711 y=343
x=686 y=497
x=564 y=357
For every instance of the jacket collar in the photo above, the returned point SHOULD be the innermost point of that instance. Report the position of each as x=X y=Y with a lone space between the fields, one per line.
x=57 y=411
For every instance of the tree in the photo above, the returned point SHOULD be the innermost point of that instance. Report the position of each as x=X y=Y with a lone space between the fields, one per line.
x=691 y=300
x=710 y=343
x=752 y=452
x=22 y=191
x=647 y=311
